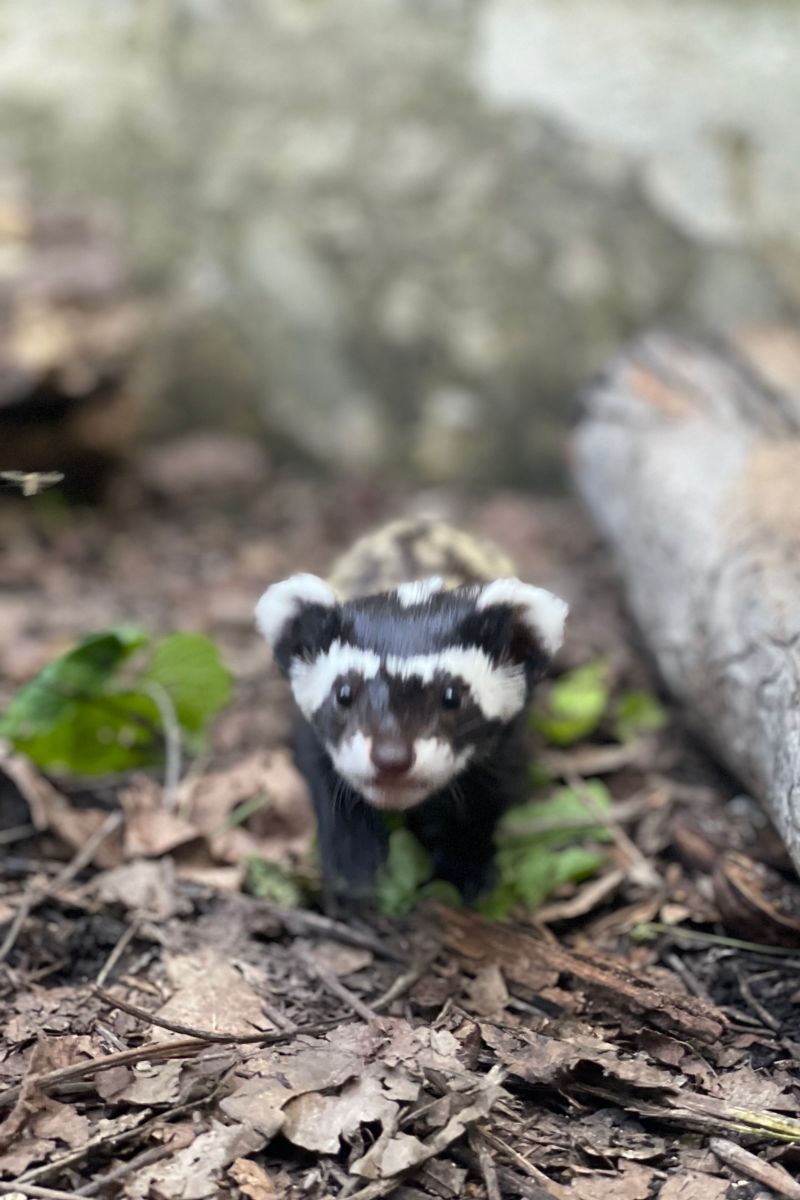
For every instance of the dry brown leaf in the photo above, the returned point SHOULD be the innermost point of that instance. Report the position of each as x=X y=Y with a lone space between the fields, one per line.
x=395 y=1152
x=488 y=992
x=282 y=826
x=752 y=1090
x=210 y=994
x=632 y=1182
x=150 y=830
x=318 y=1122
x=194 y=1172
x=336 y=957
x=143 y=887
x=694 y=1185
x=62 y=1123
x=252 y=1180
x=50 y=810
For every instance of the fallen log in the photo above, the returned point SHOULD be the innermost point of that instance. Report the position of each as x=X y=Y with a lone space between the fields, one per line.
x=690 y=463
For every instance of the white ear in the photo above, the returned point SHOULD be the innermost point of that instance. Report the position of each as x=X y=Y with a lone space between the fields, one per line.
x=540 y=611
x=281 y=603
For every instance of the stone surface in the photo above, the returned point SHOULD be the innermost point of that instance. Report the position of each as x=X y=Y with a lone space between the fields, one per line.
x=395 y=236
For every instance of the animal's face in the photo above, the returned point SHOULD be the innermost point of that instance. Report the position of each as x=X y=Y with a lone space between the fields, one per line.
x=407 y=688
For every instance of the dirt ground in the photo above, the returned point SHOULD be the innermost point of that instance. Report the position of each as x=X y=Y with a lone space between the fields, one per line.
x=167 y=1034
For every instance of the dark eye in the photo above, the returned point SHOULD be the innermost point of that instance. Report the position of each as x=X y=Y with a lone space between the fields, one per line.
x=344 y=695
x=451 y=698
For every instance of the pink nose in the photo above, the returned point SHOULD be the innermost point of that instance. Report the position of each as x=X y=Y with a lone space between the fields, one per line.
x=392 y=756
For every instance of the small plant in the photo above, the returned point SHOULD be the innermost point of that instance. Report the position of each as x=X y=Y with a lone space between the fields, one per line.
x=581 y=701
x=93 y=711
x=407 y=877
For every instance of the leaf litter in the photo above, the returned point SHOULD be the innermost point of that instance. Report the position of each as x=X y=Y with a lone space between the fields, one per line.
x=166 y=1035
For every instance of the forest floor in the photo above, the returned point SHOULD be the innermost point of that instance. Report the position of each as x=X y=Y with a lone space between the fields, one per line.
x=167 y=1034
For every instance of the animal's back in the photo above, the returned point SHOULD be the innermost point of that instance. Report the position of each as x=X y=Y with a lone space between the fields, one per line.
x=415 y=548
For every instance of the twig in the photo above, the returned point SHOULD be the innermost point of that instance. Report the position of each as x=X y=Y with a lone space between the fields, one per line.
x=145 y=1159
x=36 y=897
x=127 y=936
x=333 y=985
x=172 y=740
x=404 y=982
x=767 y=1174
x=210 y=1035
x=640 y=867
x=487 y=1167
x=30 y=1189
x=16 y=833
x=160 y=1051
x=301 y=921
x=544 y=1181
x=758 y=1008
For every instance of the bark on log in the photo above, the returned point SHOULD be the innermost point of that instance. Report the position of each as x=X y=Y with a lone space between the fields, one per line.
x=690 y=464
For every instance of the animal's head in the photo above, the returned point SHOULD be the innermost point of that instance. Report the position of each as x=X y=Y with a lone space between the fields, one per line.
x=407 y=688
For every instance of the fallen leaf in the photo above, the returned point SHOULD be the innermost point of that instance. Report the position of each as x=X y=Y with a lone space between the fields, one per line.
x=150 y=830
x=319 y=1123
x=194 y=1172
x=252 y=1180
x=631 y=1182
x=146 y=888
x=210 y=994
x=488 y=992
x=694 y=1185
x=336 y=957
x=751 y=1089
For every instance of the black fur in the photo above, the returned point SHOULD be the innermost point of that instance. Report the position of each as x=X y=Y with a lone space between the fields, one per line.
x=456 y=825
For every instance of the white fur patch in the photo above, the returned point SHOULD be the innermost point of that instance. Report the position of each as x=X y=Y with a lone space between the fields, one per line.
x=281 y=603
x=499 y=691
x=313 y=681
x=419 y=591
x=352 y=759
x=435 y=765
x=541 y=611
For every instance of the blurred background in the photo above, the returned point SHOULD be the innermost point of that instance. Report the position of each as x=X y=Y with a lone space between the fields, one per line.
x=385 y=239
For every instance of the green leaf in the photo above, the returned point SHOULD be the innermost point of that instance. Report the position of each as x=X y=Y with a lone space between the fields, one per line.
x=407 y=868
x=636 y=713
x=444 y=892
x=271 y=881
x=100 y=735
x=188 y=667
x=562 y=811
x=576 y=705
x=82 y=672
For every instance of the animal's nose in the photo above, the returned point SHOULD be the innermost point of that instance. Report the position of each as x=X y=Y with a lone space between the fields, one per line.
x=392 y=756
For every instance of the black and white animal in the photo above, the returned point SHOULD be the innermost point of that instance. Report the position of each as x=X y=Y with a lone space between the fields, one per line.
x=412 y=688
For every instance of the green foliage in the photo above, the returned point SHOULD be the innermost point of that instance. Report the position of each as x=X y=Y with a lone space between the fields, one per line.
x=636 y=713
x=271 y=881
x=581 y=700
x=83 y=713
x=536 y=852
x=576 y=705
x=407 y=869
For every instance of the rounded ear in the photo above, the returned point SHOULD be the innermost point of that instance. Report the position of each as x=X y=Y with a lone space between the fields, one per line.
x=293 y=613
x=540 y=614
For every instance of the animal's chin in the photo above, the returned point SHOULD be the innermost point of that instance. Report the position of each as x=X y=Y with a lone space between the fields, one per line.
x=397 y=796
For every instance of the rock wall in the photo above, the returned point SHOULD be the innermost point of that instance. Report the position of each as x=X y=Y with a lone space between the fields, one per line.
x=396 y=235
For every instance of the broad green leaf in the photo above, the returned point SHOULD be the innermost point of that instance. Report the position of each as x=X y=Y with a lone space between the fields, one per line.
x=498 y=903
x=189 y=668
x=271 y=881
x=576 y=705
x=82 y=672
x=444 y=892
x=100 y=736
x=636 y=713
x=407 y=868
x=561 y=812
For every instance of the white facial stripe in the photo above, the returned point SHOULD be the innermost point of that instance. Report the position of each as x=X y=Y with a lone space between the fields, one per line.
x=352 y=759
x=312 y=681
x=435 y=763
x=542 y=612
x=282 y=602
x=419 y=591
x=499 y=691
